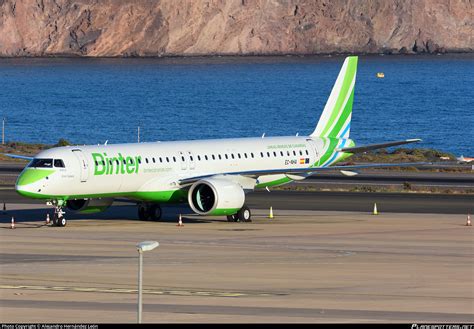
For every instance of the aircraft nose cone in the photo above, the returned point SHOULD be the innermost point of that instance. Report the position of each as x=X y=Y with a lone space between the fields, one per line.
x=29 y=181
x=31 y=175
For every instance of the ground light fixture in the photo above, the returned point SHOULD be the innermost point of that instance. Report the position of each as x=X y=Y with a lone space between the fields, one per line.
x=141 y=248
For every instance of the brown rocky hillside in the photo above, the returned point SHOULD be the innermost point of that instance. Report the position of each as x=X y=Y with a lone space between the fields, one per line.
x=233 y=27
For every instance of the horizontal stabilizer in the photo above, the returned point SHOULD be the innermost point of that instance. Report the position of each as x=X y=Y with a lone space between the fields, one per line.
x=16 y=156
x=361 y=149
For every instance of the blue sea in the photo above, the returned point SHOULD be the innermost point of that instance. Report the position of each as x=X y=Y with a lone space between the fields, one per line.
x=89 y=101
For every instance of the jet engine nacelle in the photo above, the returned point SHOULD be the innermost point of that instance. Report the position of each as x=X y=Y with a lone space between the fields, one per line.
x=216 y=196
x=89 y=206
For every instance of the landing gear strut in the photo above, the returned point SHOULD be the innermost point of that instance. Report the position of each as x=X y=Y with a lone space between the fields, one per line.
x=149 y=211
x=243 y=215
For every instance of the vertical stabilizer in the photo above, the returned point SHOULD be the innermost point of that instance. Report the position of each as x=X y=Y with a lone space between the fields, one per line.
x=335 y=121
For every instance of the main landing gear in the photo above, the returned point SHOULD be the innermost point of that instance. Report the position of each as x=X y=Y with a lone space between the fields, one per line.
x=243 y=215
x=149 y=211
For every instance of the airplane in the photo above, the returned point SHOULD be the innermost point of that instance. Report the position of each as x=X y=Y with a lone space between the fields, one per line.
x=463 y=159
x=212 y=176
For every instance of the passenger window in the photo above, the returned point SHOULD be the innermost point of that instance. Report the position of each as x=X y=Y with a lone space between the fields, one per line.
x=288 y=153
x=261 y=154
x=274 y=154
x=161 y=160
x=268 y=154
x=199 y=157
x=301 y=152
x=139 y=161
x=238 y=154
x=154 y=160
x=182 y=158
x=220 y=158
x=294 y=153
x=191 y=157
x=146 y=160
x=125 y=161
x=58 y=163
x=226 y=156
x=281 y=153
x=251 y=154
x=307 y=153
x=232 y=155
x=174 y=159
x=205 y=157
x=167 y=159
x=213 y=157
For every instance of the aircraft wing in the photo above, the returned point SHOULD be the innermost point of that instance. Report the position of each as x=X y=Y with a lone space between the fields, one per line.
x=16 y=156
x=295 y=171
x=361 y=149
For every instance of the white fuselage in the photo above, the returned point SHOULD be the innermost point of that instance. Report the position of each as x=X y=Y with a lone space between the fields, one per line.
x=127 y=169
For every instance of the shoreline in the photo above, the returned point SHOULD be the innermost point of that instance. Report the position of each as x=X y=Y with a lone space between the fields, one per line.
x=467 y=53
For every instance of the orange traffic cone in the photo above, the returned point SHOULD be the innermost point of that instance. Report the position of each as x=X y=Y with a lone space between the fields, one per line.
x=12 y=226
x=468 y=220
x=180 y=221
x=47 y=219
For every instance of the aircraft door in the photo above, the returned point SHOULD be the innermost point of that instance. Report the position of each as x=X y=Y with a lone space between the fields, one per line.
x=83 y=164
x=313 y=151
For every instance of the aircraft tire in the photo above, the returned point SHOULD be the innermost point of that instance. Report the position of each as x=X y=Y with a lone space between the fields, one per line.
x=244 y=214
x=62 y=222
x=232 y=218
x=55 y=220
x=143 y=213
x=155 y=212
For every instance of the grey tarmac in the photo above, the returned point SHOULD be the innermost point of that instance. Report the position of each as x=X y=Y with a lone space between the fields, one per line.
x=300 y=266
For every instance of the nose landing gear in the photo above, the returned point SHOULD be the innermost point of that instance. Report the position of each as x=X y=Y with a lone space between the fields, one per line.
x=58 y=217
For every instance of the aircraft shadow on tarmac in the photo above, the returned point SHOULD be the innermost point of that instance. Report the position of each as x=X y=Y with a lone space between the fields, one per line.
x=36 y=217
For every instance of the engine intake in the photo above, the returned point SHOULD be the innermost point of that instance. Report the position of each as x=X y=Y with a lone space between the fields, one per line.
x=216 y=196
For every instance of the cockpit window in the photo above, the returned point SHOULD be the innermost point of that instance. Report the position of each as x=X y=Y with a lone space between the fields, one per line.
x=42 y=163
x=58 y=163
